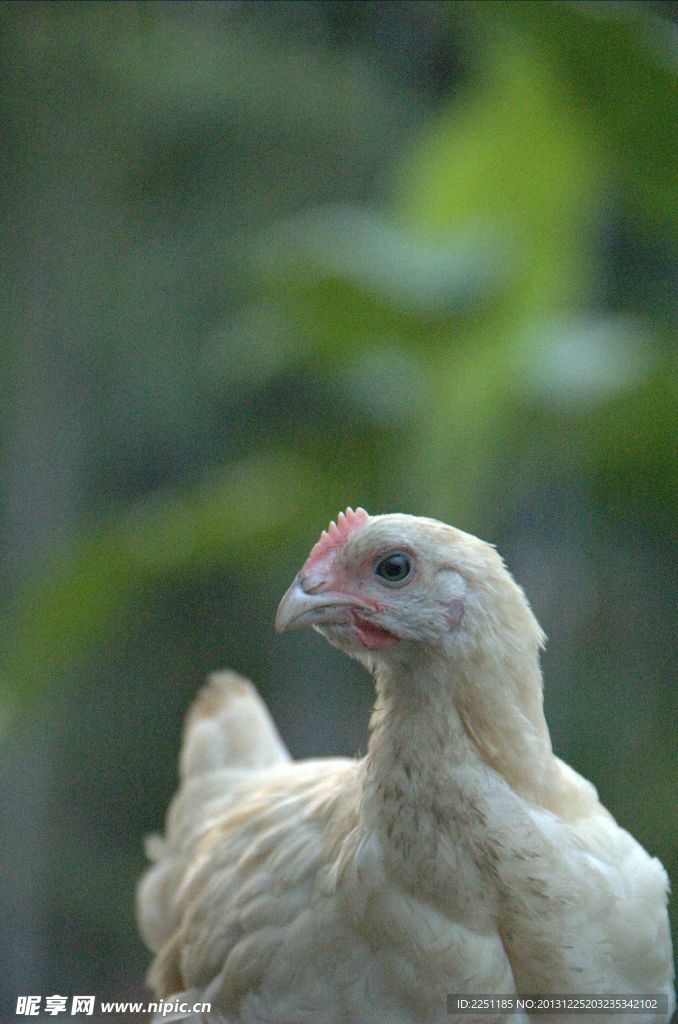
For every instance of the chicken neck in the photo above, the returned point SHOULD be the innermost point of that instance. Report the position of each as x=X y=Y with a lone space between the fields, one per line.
x=433 y=725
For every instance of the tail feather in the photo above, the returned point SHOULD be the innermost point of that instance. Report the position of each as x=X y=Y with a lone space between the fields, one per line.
x=229 y=726
x=228 y=733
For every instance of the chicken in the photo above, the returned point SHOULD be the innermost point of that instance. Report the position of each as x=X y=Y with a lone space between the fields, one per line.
x=459 y=856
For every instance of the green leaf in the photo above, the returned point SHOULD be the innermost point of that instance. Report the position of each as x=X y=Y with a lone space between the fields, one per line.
x=239 y=519
x=379 y=257
x=513 y=154
x=619 y=62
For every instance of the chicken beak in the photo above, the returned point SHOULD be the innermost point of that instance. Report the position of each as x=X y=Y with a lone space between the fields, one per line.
x=316 y=605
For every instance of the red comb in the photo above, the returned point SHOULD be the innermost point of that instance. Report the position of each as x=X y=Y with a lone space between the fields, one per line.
x=337 y=534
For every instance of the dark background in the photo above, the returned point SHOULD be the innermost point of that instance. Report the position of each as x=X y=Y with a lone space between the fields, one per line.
x=265 y=260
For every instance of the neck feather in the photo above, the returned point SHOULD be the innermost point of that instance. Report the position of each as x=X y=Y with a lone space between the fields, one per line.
x=480 y=707
x=409 y=784
x=499 y=700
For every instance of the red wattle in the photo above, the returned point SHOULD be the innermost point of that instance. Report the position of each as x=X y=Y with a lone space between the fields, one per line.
x=374 y=637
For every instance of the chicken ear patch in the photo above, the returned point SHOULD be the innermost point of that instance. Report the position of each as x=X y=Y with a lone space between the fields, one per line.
x=454 y=612
x=336 y=534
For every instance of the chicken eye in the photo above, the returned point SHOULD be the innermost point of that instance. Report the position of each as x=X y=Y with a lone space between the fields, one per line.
x=394 y=568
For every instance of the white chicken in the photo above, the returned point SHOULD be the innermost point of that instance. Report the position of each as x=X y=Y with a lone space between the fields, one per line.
x=458 y=857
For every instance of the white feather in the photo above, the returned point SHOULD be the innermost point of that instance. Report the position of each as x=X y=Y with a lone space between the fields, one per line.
x=460 y=856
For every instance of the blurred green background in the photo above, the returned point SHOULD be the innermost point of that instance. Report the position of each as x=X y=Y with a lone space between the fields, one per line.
x=265 y=260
